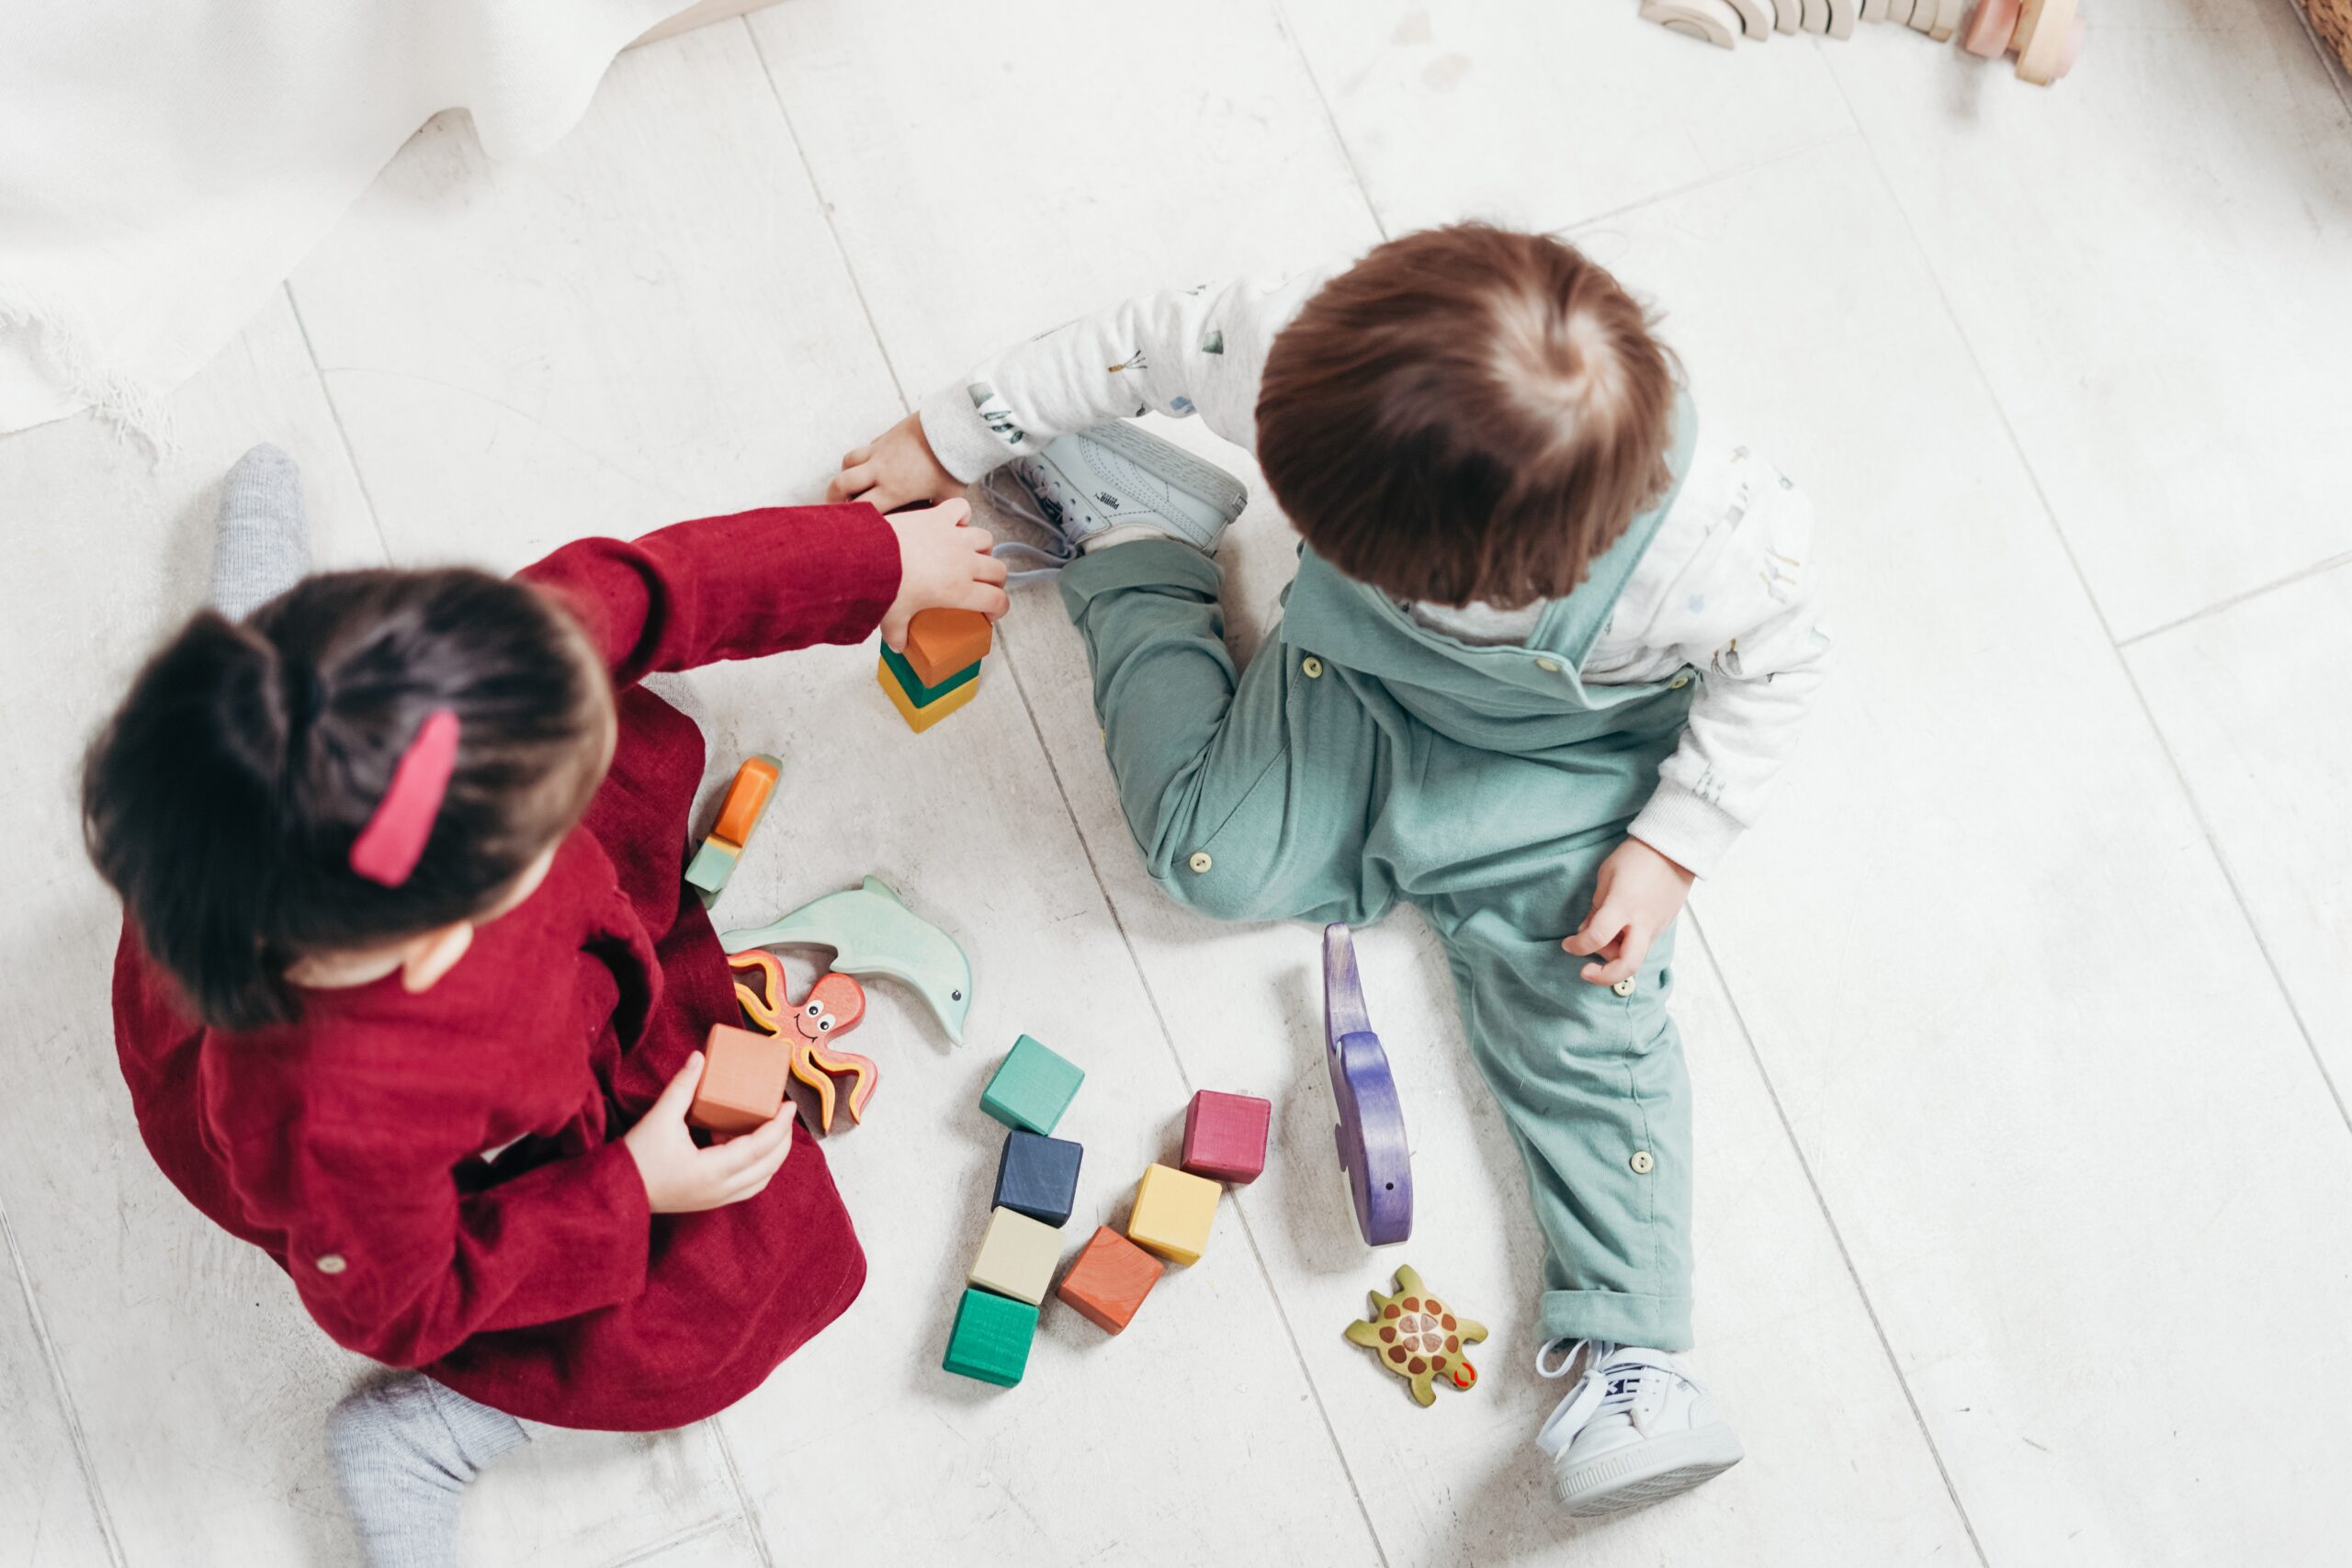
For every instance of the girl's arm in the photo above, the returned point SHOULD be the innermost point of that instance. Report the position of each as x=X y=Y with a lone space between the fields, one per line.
x=736 y=587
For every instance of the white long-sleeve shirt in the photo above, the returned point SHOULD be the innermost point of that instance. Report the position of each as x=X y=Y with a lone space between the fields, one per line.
x=1727 y=585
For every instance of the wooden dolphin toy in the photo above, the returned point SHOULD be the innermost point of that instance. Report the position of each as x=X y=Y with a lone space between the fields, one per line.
x=871 y=932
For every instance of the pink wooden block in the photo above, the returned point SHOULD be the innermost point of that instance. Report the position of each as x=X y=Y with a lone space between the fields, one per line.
x=1224 y=1135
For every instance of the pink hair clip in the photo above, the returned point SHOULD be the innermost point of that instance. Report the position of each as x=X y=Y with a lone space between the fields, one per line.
x=393 y=842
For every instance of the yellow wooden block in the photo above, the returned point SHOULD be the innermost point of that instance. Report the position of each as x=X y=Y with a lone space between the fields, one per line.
x=1173 y=1211
x=919 y=719
x=1017 y=1256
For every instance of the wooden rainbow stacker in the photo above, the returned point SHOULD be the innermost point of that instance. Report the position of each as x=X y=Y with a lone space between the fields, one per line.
x=940 y=672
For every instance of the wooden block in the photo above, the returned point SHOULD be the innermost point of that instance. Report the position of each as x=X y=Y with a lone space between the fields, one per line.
x=1814 y=18
x=1873 y=10
x=2045 y=32
x=1110 y=1279
x=1785 y=14
x=1711 y=21
x=1949 y=14
x=941 y=642
x=1843 y=14
x=918 y=694
x=1038 y=1176
x=1173 y=1211
x=742 y=1080
x=919 y=719
x=747 y=800
x=1017 y=1256
x=1031 y=1087
x=991 y=1340
x=1923 y=16
x=712 y=866
x=1224 y=1135
x=1756 y=18
x=1991 y=26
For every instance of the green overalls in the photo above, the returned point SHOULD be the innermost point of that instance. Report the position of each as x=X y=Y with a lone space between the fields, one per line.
x=1363 y=759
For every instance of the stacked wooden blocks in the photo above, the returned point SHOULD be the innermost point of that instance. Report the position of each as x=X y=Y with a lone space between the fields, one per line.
x=1036 y=1186
x=940 y=670
x=2045 y=35
x=746 y=803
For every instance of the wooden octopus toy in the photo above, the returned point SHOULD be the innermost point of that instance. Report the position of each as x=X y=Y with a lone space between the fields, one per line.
x=833 y=1005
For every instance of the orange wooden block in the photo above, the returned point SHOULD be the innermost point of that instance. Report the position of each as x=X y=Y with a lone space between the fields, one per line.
x=742 y=1080
x=941 y=642
x=1110 y=1279
x=746 y=798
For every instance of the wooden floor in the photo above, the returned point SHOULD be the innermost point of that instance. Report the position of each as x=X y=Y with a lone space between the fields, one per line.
x=2021 y=1032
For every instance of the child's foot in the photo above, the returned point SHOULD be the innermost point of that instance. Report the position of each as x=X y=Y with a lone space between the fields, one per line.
x=262 y=548
x=1119 y=483
x=1636 y=1430
x=404 y=1449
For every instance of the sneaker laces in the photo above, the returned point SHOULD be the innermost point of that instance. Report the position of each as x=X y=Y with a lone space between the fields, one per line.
x=1615 y=1378
x=1008 y=495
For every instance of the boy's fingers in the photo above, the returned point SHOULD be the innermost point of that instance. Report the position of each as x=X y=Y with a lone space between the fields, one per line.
x=856 y=454
x=979 y=539
x=956 y=508
x=733 y=1158
x=991 y=570
x=854 y=479
x=679 y=1092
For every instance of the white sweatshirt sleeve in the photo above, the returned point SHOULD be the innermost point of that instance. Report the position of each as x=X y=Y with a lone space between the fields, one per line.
x=1191 y=350
x=1731 y=588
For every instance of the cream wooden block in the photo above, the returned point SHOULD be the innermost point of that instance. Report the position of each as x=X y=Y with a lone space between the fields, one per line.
x=1814 y=17
x=1756 y=18
x=1950 y=14
x=1923 y=16
x=1712 y=21
x=1898 y=12
x=1017 y=1256
x=1843 y=14
x=1788 y=15
x=1173 y=1211
x=1875 y=11
x=2043 y=26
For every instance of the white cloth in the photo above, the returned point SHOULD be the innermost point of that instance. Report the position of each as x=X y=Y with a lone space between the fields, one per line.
x=164 y=164
x=1727 y=585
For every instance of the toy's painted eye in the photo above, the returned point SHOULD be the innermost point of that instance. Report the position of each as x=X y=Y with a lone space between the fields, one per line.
x=815 y=1010
x=955 y=996
x=824 y=1025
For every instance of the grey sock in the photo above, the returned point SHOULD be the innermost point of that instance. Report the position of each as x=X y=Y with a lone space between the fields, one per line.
x=405 y=1450
x=264 y=545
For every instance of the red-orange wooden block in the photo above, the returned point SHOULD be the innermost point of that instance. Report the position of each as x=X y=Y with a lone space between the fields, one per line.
x=747 y=797
x=941 y=642
x=742 y=1080
x=1110 y=1279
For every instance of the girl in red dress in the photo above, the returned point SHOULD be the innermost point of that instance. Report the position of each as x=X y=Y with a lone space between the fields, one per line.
x=409 y=988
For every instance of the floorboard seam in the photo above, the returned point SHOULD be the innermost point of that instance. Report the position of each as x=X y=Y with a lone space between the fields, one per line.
x=2300 y=574
x=1347 y=154
x=1837 y=1239
x=1707 y=182
x=692 y=1532
x=743 y=1496
x=1167 y=1038
x=2106 y=630
x=335 y=411
x=67 y=1411
x=825 y=210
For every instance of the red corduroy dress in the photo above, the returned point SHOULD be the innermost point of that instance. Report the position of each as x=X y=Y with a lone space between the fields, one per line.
x=351 y=1145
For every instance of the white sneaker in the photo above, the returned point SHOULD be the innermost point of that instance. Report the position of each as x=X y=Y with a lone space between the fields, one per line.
x=1636 y=1430
x=1118 y=478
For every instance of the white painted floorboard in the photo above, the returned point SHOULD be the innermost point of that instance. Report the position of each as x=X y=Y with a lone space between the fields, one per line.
x=2007 y=1028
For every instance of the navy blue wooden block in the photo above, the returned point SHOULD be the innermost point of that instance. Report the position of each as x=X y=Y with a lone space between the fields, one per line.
x=1037 y=1176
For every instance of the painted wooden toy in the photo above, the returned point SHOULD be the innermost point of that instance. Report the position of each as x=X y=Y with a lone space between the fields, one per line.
x=871 y=932
x=742 y=1086
x=2045 y=35
x=1224 y=1136
x=1107 y=1284
x=1418 y=1337
x=746 y=802
x=940 y=670
x=834 y=1005
x=1371 y=1134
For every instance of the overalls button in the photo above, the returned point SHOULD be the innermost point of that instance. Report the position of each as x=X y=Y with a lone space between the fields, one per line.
x=1623 y=988
x=332 y=1263
x=1641 y=1162
x=1549 y=666
x=1313 y=667
x=1200 y=860
x=1681 y=679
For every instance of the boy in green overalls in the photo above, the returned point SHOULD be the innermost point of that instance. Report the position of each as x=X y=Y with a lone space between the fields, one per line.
x=1547 y=645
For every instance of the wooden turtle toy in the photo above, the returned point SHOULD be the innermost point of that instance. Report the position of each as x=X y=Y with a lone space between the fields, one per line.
x=1418 y=1337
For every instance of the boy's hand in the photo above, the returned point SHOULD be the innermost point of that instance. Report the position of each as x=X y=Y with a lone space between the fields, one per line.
x=681 y=1179
x=943 y=564
x=1637 y=896
x=896 y=468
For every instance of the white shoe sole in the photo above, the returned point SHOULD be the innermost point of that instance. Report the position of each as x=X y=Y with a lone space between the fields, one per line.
x=1647 y=1473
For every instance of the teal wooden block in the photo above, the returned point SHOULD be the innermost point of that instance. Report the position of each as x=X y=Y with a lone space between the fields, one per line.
x=1031 y=1087
x=712 y=866
x=918 y=694
x=991 y=1340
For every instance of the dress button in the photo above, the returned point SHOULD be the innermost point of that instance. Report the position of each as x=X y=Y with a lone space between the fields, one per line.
x=1641 y=1162
x=332 y=1263
x=1623 y=988
x=1312 y=666
x=1681 y=679
x=1200 y=860
x=1549 y=666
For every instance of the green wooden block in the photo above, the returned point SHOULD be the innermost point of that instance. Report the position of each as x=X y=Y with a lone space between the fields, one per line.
x=712 y=866
x=1031 y=1087
x=991 y=1340
x=918 y=694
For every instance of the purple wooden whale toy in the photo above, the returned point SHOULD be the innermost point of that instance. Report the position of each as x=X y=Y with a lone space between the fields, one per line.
x=1372 y=1123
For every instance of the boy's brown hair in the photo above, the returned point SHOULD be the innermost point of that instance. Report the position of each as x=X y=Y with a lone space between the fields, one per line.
x=1467 y=414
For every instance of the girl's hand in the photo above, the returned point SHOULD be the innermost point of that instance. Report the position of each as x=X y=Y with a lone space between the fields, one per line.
x=681 y=1179
x=943 y=564
x=896 y=468
x=1637 y=896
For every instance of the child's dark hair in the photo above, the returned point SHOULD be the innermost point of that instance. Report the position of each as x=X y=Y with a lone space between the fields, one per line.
x=1467 y=414
x=222 y=798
